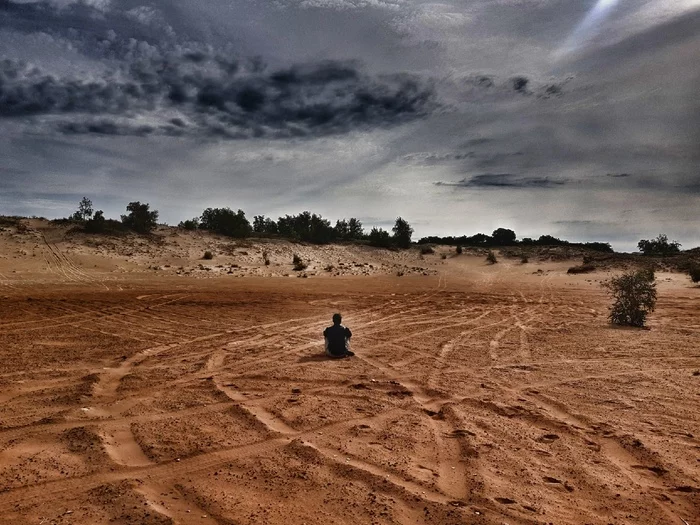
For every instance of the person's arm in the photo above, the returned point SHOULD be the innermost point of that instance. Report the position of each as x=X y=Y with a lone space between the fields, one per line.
x=348 y=333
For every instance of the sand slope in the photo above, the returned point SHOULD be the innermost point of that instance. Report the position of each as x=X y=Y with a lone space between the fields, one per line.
x=479 y=394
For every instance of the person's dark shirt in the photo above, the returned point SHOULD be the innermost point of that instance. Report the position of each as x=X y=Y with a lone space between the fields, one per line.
x=336 y=336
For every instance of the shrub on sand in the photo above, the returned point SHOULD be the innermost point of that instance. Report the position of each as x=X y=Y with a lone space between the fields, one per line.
x=634 y=297
x=583 y=268
x=694 y=272
x=298 y=263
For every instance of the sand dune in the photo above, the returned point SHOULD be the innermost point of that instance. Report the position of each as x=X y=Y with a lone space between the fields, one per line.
x=479 y=394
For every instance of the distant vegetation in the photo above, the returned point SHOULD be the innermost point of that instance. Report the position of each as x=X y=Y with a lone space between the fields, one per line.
x=506 y=237
x=694 y=272
x=226 y=222
x=140 y=218
x=313 y=228
x=634 y=297
x=299 y=263
x=659 y=246
x=84 y=211
x=402 y=233
x=583 y=268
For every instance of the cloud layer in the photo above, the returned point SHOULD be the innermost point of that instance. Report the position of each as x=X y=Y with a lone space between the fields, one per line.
x=198 y=94
x=346 y=105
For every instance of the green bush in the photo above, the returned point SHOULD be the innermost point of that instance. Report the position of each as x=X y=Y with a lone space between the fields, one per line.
x=379 y=238
x=583 y=268
x=226 y=222
x=298 y=263
x=694 y=272
x=459 y=250
x=190 y=224
x=634 y=297
x=99 y=224
x=402 y=233
x=491 y=258
x=425 y=250
x=659 y=246
x=140 y=218
x=208 y=256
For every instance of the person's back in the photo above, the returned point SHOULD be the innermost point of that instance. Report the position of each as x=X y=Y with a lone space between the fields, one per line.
x=336 y=337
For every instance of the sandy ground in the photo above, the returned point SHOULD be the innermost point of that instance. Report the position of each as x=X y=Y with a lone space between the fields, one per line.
x=479 y=394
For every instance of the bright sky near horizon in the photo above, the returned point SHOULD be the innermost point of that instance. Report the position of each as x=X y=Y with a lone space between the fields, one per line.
x=575 y=118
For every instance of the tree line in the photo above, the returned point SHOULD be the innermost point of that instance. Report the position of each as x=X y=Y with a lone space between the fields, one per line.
x=306 y=226
x=313 y=228
x=506 y=237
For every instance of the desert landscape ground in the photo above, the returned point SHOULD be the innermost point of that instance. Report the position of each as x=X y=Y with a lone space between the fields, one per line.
x=142 y=385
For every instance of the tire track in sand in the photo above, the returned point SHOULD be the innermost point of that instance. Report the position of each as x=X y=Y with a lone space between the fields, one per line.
x=650 y=479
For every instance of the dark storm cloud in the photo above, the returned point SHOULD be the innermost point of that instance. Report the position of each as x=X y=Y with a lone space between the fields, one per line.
x=434 y=158
x=507 y=111
x=478 y=142
x=104 y=127
x=86 y=24
x=214 y=96
x=503 y=180
x=520 y=84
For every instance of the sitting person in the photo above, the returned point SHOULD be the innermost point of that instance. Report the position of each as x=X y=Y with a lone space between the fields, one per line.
x=337 y=338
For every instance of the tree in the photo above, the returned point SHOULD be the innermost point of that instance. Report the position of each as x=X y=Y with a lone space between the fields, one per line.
x=190 y=224
x=84 y=212
x=479 y=239
x=97 y=224
x=140 y=217
x=341 y=229
x=265 y=225
x=355 y=230
x=634 y=297
x=306 y=227
x=320 y=230
x=402 y=233
x=226 y=222
x=379 y=238
x=548 y=240
x=503 y=237
x=659 y=246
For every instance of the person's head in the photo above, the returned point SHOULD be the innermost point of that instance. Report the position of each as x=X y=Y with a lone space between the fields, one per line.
x=337 y=318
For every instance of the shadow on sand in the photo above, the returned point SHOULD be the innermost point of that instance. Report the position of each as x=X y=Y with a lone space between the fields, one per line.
x=318 y=357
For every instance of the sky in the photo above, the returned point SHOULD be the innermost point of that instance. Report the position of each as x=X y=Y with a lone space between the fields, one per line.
x=574 y=118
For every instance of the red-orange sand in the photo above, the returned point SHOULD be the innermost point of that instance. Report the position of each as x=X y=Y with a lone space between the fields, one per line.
x=479 y=394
